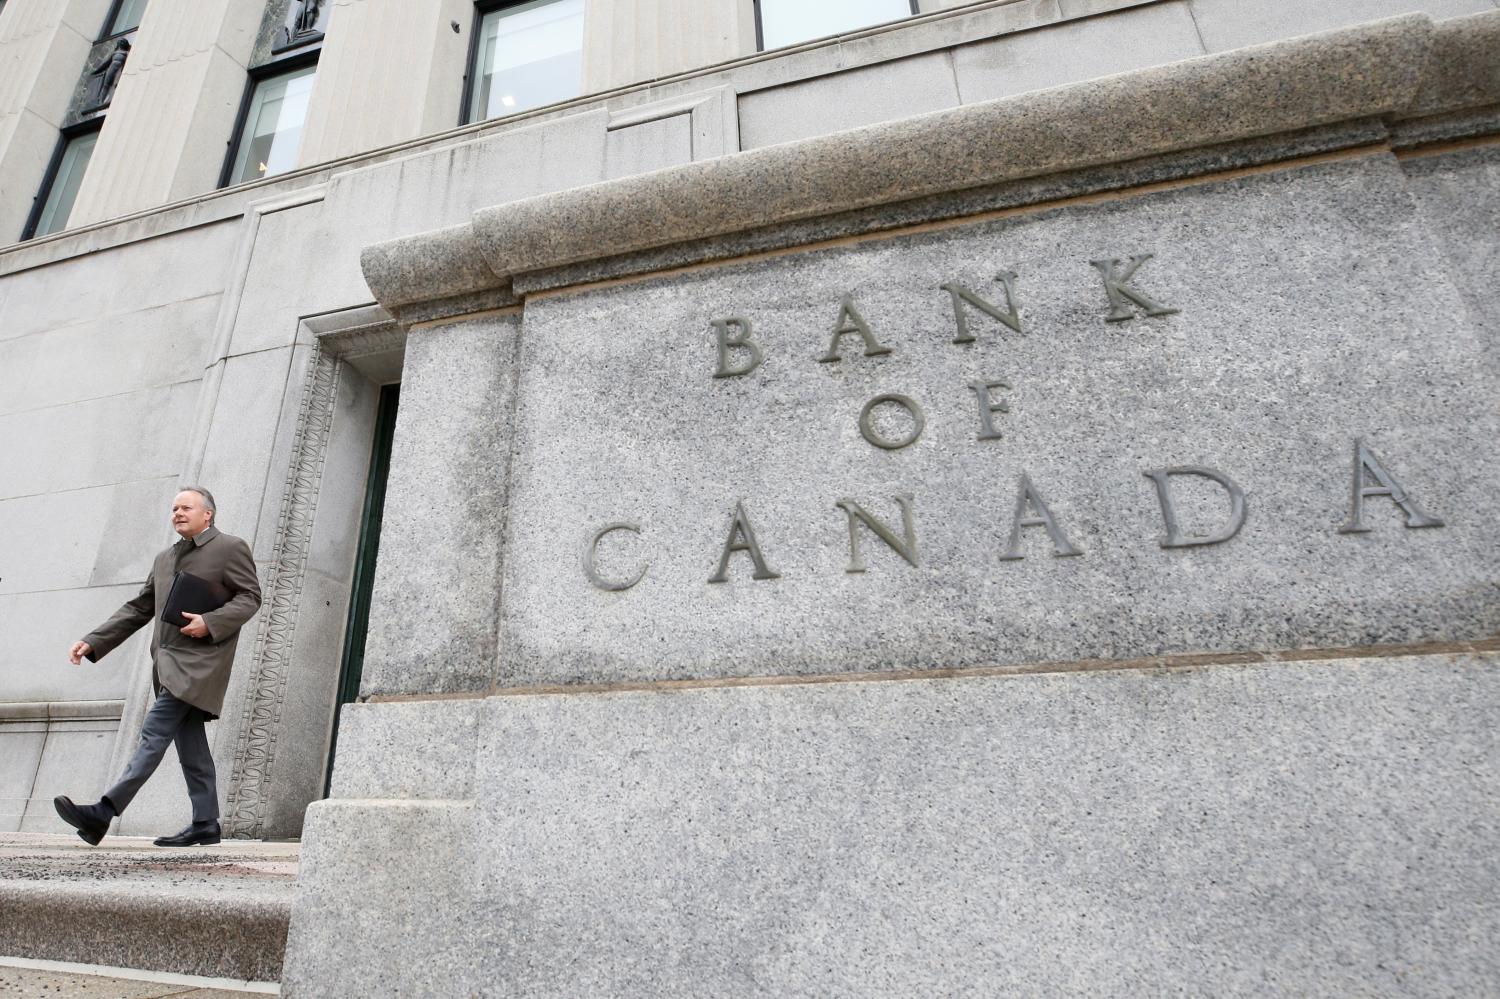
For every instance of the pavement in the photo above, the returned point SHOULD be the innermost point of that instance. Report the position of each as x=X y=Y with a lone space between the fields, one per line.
x=217 y=914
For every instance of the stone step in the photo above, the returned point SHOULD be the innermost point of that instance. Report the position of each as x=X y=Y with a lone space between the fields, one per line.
x=21 y=976
x=217 y=912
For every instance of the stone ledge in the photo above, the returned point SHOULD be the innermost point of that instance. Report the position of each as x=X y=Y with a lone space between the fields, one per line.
x=1463 y=69
x=205 y=934
x=1152 y=664
x=1204 y=164
x=1393 y=69
x=15 y=711
x=218 y=911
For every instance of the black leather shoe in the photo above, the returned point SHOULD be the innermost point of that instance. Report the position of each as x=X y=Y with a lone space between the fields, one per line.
x=197 y=834
x=91 y=821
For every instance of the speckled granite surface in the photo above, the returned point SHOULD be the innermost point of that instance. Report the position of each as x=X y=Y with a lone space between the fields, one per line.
x=1313 y=308
x=216 y=911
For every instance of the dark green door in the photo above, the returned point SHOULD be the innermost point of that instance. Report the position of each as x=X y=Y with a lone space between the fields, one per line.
x=364 y=563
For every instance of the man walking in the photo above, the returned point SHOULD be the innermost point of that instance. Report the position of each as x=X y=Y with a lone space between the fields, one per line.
x=190 y=669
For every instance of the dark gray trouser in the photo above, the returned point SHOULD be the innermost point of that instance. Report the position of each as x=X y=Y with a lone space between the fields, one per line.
x=168 y=721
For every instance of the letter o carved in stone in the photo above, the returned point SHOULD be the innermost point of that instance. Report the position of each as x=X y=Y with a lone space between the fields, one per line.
x=867 y=424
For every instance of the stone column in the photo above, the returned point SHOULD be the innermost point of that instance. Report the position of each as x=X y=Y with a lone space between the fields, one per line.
x=174 y=109
x=434 y=622
x=358 y=103
x=434 y=619
x=43 y=45
x=627 y=41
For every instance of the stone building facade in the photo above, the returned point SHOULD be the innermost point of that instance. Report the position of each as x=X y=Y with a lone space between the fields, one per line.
x=993 y=499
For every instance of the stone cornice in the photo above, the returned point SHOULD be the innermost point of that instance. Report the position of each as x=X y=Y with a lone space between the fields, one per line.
x=1397 y=69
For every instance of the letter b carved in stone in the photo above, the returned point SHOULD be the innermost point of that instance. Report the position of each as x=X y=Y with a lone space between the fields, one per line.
x=735 y=331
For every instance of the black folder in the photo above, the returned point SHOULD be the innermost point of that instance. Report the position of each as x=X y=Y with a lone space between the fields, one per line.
x=192 y=594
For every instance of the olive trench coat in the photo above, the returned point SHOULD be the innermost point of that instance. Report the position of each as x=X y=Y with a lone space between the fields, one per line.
x=195 y=670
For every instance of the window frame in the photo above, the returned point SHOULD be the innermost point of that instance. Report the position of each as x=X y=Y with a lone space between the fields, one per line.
x=64 y=138
x=105 y=34
x=760 y=37
x=257 y=76
x=482 y=9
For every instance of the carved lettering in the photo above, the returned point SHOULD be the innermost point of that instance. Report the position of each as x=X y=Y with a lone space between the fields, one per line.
x=1367 y=466
x=727 y=368
x=867 y=423
x=988 y=407
x=906 y=548
x=1117 y=276
x=850 y=321
x=1028 y=499
x=591 y=554
x=1175 y=537
x=742 y=539
x=1011 y=316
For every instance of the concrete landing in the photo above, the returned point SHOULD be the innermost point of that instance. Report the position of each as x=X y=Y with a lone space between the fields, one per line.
x=217 y=912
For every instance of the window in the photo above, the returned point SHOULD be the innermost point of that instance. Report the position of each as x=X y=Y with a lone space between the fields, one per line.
x=270 y=133
x=525 y=55
x=126 y=17
x=60 y=189
x=788 y=22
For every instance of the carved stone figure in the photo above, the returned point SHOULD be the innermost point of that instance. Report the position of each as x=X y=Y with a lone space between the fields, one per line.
x=301 y=25
x=102 y=80
x=307 y=17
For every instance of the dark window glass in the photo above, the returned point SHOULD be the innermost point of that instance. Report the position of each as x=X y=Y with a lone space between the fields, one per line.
x=127 y=17
x=788 y=22
x=62 y=186
x=527 y=55
x=272 y=133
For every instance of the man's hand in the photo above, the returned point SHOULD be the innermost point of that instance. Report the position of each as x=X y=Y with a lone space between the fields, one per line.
x=195 y=628
x=78 y=651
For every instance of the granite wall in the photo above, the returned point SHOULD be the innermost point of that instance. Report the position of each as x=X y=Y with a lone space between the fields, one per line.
x=1297 y=312
x=989 y=556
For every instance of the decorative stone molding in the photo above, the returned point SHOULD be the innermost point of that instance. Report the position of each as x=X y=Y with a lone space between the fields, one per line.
x=1392 y=70
x=255 y=752
x=259 y=723
x=713 y=118
x=26 y=711
x=363 y=341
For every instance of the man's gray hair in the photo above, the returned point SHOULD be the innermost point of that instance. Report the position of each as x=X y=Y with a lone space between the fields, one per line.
x=208 y=497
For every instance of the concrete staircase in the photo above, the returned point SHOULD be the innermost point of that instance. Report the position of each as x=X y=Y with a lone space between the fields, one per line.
x=216 y=912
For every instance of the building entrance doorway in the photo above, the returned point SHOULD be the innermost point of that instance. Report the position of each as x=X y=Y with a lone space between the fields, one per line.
x=352 y=661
